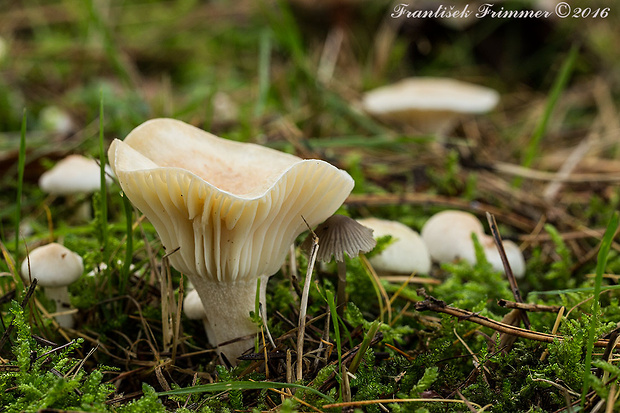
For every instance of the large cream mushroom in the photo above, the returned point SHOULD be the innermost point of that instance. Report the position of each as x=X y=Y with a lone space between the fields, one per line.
x=447 y=236
x=430 y=105
x=231 y=209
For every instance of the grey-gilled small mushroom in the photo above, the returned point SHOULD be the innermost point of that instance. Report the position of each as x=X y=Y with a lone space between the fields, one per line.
x=407 y=253
x=447 y=236
x=55 y=267
x=230 y=212
x=340 y=235
x=430 y=105
x=71 y=176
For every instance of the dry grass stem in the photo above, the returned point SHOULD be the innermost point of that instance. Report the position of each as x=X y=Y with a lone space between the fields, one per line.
x=304 y=305
x=432 y=304
x=528 y=307
x=371 y=402
x=507 y=270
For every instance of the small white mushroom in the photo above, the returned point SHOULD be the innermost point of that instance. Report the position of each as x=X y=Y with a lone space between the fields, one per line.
x=55 y=267
x=514 y=255
x=447 y=236
x=407 y=254
x=428 y=104
x=74 y=175
x=56 y=120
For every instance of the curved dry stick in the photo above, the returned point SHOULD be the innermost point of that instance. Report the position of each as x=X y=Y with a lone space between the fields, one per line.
x=432 y=304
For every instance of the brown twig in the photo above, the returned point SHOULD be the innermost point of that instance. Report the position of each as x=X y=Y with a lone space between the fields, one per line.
x=528 y=307
x=432 y=304
x=511 y=278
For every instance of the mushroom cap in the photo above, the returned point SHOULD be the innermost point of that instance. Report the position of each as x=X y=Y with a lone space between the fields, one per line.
x=53 y=265
x=338 y=235
x=430 y=94
x=74 y=174
x=405 y=255
x=447 y=235
x=514 y=255
x=233 y=208
x=193 y=307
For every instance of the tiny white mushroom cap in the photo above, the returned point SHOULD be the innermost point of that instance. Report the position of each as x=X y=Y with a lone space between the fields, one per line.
x=53 y=265
x=429 y=104
x=514 y=255
x=447 y=236
x=405 y=255
x=57 y=120
x=72 y=175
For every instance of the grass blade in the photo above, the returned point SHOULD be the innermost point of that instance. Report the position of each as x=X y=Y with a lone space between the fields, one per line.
x=264 y=65
x=21 y=166
x=103 y=190
x=370 y=334
x=329 y=297
x=533 y=148
x=242 y=385
x=128 y=209
x=574 y=290
x=603 y=252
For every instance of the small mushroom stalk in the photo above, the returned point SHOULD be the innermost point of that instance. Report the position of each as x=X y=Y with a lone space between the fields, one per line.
x=340 y=235
x=60 y=297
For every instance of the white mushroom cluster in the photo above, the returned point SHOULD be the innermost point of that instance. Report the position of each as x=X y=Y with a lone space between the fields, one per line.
x=227 y=212
x=446 y=237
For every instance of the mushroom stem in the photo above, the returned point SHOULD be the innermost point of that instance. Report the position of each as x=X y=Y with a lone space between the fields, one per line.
x=341 y=293
x=228 y=306
x=60 y=296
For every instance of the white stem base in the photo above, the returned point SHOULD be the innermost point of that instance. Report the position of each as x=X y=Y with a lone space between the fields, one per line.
x=228 y=306
x=60 y=296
